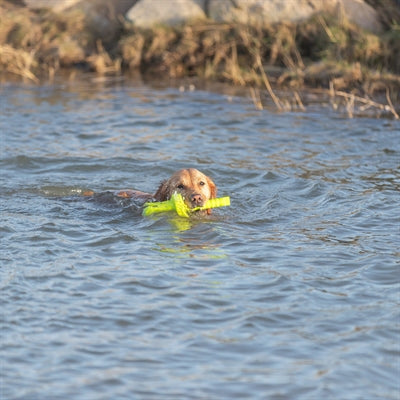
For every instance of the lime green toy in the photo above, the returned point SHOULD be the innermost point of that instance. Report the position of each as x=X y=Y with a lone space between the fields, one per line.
x=176 y=203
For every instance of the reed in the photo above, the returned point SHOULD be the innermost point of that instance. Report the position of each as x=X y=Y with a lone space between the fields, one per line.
x=18 y=62
x=315 y=54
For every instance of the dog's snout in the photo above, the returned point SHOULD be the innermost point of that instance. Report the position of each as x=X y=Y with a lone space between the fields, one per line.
x=196 y=199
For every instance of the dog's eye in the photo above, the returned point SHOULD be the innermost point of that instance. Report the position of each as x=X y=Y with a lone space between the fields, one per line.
x=201 y=183
x=180 y=186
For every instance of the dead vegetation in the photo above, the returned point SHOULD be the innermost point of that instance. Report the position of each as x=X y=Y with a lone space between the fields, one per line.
x=352 y=67
x=316 y=54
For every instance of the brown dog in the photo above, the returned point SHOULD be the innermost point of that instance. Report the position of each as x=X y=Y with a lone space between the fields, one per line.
x=195 y=187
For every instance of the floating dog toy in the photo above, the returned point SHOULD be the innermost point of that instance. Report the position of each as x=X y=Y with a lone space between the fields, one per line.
x=176 y=203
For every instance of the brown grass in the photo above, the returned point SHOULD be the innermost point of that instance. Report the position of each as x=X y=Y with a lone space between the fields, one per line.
x=320 y=53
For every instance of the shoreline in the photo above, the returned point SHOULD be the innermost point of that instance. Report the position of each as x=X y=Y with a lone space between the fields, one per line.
x=357 y=70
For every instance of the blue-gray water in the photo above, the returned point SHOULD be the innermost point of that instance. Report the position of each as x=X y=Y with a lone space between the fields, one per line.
x=290 y=293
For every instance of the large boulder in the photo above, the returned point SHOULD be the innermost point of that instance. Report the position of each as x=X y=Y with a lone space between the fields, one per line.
x=361 y=13
x=147 y=13
x=117 y=6
x=108 y=9
x=262 y=12
x=106 y=14
x=103 y=18
x=56 y=6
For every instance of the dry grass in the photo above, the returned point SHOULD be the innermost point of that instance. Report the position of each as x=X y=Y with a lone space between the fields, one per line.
x=18 y=62
x=321 y=53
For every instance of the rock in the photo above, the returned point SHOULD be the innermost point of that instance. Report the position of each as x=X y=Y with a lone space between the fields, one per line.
x=117 y=6
x=362 y=14
x=261 y=12
x=104 y=17
x=105 y=14
x=106 y=8
x=147 y=13
x=56 y=6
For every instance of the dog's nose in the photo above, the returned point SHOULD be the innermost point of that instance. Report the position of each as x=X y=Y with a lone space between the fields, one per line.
x=196 y=199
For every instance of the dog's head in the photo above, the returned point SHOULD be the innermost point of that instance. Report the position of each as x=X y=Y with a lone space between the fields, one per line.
x=195 y=187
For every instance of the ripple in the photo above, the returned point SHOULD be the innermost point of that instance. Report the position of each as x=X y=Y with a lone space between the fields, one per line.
x=286 y=293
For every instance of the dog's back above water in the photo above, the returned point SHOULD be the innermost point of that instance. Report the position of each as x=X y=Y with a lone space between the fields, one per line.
x=194 y=186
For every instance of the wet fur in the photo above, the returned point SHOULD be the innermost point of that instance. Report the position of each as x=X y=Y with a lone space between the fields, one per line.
x=194 y=186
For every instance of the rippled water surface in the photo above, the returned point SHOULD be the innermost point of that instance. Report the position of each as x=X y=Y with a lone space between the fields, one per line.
x=290 y=293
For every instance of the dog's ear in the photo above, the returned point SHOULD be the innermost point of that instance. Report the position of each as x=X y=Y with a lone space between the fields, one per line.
x=213 y=188
x=162 y=192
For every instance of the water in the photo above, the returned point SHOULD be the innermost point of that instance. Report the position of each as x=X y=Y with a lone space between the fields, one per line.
x=290 y=293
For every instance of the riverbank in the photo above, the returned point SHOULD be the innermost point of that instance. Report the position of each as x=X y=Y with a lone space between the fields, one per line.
x=335 y=57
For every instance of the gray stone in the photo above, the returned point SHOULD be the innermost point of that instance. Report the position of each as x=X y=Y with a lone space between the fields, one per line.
x=147 y=13
x=56 y=6
x=361 y=13
x=105 y=7
x=104 y=16
x=261 y=12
